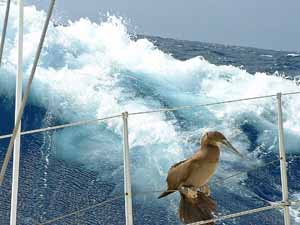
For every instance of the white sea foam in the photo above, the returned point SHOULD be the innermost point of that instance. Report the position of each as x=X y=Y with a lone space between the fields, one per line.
x=269 y=56
x=295 y=211
x=90 y=70
x=293 y=54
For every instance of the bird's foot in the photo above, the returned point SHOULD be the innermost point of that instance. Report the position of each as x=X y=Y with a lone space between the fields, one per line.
x=192 y=191
x=189 y=191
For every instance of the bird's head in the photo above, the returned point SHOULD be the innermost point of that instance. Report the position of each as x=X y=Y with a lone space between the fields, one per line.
x=216 y=138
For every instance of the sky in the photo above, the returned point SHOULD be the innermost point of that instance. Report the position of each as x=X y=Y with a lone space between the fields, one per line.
x=269 y=24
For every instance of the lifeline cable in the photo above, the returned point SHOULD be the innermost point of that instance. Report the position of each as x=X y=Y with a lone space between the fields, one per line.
x=274 y=205
x=82 y=210
x=26 y=94
x=137 y=113
x=4 y=30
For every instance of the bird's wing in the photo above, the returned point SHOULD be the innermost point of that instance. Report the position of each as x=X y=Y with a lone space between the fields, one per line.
x=178 y=173
x=177 y=164
x=172 y=180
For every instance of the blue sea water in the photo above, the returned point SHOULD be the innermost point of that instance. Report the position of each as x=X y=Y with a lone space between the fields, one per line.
x=90 y=70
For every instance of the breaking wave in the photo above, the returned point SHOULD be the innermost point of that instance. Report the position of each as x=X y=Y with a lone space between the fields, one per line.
x=90 y=70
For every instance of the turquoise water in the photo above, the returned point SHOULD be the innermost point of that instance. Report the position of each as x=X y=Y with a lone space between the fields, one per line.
x=90 y=70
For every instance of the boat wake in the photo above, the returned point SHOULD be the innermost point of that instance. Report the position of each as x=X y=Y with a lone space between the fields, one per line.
x=90 y=70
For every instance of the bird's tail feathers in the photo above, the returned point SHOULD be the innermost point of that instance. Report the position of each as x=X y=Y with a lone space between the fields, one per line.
x=192 y=210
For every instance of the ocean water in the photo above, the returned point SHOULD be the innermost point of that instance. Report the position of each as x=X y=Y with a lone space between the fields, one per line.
x=90 y=70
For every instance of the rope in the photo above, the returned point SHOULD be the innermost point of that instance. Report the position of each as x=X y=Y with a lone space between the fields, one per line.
x=222 y=181
x=4 y=29
x=251 y=211
x=26 y=95
x=137 y=113
x=209 y=104
x=291 y=93
x=82 y=210
x=83 y=122
x=275 y=205
x=295 y=203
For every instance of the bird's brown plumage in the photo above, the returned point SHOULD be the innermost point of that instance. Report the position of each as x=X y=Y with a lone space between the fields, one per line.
x=195 y=172
x=200 y=207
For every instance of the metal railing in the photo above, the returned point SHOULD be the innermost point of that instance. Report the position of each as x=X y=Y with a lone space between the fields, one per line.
x=285 y=203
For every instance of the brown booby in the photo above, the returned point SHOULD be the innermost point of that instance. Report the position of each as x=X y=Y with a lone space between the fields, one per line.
x=191 y=176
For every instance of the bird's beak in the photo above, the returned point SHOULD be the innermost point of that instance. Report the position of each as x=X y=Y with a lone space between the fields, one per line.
x=231 y=148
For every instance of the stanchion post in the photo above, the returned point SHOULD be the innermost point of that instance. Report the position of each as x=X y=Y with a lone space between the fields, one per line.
x=26 y=94
x=16 y=159
x=283 y=164
x=127 y=180
x=4 y=30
